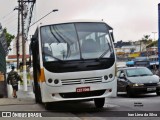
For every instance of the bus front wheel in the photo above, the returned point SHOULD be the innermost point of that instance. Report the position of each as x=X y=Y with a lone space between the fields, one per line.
x=99 y=102
x=47 y=106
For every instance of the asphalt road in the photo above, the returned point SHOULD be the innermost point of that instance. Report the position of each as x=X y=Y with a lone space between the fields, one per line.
x=115 y=108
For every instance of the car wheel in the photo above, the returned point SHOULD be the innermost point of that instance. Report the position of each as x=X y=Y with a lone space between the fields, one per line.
x=99 y=102
x=129 y=92
x=158 y=93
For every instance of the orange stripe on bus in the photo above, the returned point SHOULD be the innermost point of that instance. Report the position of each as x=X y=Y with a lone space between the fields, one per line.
x=42 y=77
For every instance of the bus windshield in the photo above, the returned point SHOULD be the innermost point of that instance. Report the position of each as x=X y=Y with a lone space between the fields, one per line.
x=76 y=41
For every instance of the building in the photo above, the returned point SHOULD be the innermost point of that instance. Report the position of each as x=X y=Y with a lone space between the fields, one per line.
x=129 y=50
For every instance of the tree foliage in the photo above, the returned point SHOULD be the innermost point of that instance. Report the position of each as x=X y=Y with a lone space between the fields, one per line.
x=146 y=39
x=8 y=37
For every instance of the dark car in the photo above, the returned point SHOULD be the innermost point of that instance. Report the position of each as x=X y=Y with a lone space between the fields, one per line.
x=135 y=80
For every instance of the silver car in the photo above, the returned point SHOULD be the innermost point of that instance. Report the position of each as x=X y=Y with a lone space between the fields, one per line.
x=135 y=80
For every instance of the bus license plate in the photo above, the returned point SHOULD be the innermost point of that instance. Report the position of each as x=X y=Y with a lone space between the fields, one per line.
x=151 y=89
x=83 y=89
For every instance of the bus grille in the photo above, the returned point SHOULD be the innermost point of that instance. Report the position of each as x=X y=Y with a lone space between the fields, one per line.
x=82 y=94
x=81 y=80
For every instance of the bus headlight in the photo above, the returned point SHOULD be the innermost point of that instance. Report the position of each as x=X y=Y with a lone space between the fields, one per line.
x=50 y=80
x=110 y=75
x=106 y=77
x=56 y=81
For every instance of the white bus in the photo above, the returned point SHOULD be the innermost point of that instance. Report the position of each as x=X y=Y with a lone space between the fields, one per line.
x=74 y=61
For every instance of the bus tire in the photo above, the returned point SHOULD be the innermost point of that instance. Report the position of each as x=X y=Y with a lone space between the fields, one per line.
x=99 y=102
x=47 y=106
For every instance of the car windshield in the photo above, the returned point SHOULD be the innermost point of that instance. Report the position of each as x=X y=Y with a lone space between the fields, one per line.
x=75 y=41
x=138 y=72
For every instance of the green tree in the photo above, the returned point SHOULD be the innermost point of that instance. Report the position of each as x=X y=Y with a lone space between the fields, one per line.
x=8 y=37
x=146 y=39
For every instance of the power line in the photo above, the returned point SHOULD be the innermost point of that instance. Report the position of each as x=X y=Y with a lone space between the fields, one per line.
x=10 y=28
x=8 y=18
x=10 y=25
x=12 y=31
x=6 y=15
x=10 y=22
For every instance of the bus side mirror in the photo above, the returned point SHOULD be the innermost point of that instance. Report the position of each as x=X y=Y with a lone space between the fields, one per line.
x=122 y=76
x=33 y=42
x=111 y=33
x=33 y=39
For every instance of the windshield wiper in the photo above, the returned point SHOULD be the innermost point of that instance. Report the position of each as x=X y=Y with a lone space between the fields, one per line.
x=133 y=75
x=104 y=53
x=145 y=75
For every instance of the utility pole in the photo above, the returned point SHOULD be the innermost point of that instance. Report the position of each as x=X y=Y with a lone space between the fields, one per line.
x=159 y=36
x=17 y=45
x=21 y=11
x=23 y=49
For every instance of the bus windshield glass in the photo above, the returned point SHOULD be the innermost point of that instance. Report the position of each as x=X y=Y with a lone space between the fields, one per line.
x=76 y=41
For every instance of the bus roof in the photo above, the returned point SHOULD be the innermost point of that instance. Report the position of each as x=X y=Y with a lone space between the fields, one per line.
x=71 y=21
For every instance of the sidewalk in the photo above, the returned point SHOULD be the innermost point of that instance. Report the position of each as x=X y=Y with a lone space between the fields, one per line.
x=24 y=97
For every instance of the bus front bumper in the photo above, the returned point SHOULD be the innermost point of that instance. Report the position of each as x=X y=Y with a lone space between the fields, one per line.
x=76 y=92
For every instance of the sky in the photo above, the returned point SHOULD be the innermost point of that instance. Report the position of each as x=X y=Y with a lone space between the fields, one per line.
x=130 y=19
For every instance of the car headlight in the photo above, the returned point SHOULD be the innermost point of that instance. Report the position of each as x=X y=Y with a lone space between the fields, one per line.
x=135 y=85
